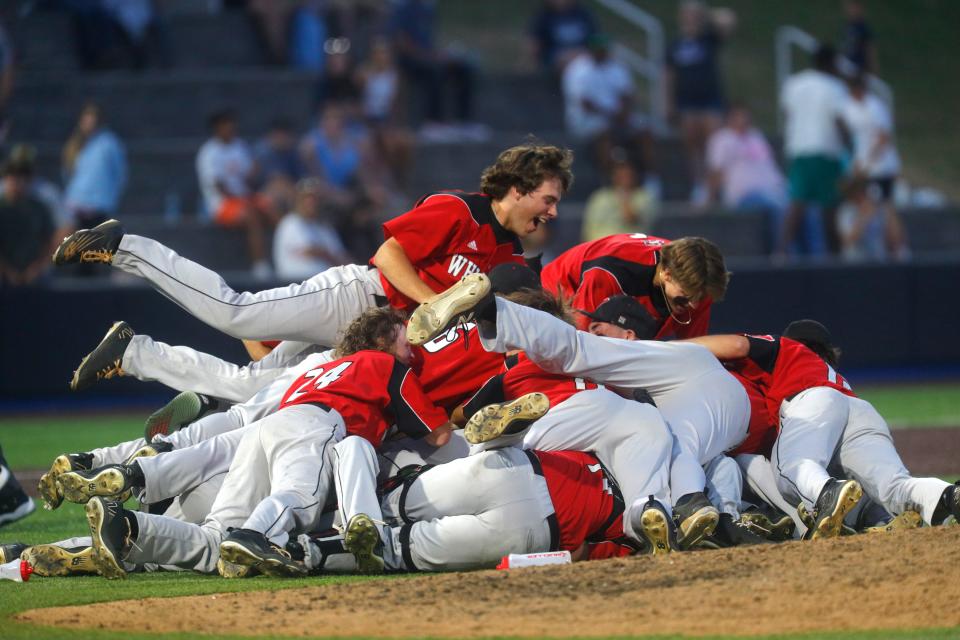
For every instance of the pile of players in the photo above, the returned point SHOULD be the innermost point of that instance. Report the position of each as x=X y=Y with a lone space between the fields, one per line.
x=471 y=407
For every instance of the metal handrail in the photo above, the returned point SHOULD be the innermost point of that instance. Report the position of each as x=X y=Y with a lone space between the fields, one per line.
x=650 y=65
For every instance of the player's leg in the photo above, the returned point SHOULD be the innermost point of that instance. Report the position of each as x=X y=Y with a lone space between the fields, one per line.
x=761 y=482
x=725 y=490
x=355 y=470
x=868 y=454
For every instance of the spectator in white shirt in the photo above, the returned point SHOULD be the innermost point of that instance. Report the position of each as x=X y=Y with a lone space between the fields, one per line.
x=305 y=243
x=876 y=165
x=226 y=170
x=812 y=102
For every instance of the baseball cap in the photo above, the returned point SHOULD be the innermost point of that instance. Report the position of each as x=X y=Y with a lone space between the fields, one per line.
x=626 y=313
x=808 y=331
x=511 y=276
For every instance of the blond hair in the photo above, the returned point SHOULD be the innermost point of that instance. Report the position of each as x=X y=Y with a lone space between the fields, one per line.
x=697 y=266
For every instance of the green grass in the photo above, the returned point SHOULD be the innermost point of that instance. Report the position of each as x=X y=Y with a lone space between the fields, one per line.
x=915 y=405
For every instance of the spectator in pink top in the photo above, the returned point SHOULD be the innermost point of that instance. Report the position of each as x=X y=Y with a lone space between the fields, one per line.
x=743 y=173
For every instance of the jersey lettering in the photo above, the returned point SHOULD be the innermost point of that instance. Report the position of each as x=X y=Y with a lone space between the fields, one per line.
x=320 y=379
x=444 y=340
x=596 y=468
x=461 y=265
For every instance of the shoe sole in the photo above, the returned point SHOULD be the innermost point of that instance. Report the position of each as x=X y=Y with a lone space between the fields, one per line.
x=830 y=526
x=25 y=509
x=103 y=557
x=74 y=250
x=81 y=377
x=656 y=529
x=238 y=554
x=109 y=483
x=51 y=561
x=48 y=487
x=906 y=520
x=762 y=526
x=146 y=451
x=183 y=409
x=493 y=421
x=361 y=539
x=231 y=570
x=698 y=526
x=432 y=317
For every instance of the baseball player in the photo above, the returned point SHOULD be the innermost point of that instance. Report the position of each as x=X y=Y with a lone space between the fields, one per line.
x=820 y=420
x=675 y=281
x=445 y=236
x=706 y=408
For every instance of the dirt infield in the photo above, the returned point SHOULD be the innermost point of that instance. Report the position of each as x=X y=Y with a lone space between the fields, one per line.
x=904 y=580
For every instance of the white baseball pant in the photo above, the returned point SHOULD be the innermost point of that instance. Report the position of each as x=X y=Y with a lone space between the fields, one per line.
x=821 y=424
x=725 y=485
x=277 y=484
x=705 y=407
x=312 y=311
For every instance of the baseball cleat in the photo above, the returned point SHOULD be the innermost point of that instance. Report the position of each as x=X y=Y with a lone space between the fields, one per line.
x=731 y=533
x=113 y=481
x=14 y=502
x=949 y=507
x=252 y=549
x=185 y=408
x=49 y=560
x=10 y=552
x=456 y=304
x=697 y=517
x=49 y=487
x=361 y=538
x=496 y=420
x=231 y=571
x=90 y=245
x=105 y=361
x=657 y=528
x=149 y=450
x=771 y=524
x=110 y=533
x=836 y=500
x=906 y=520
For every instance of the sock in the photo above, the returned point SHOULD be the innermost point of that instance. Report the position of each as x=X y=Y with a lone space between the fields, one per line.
x=133 y=527
x=486 y=316
x=136 y=474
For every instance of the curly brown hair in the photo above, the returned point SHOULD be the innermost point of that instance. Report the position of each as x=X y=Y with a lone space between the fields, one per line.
x=526 y=167
x=374 y=329
x=542 y=300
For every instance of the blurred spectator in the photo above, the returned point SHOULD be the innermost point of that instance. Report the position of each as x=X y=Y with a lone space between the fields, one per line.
x=139 y=31
x=272 y=20
x=812 y=103
x=278 y=163
x=857 y=44
x=876 y=165
x=305 y=243
x=27 y=225
x=333 y=153
x=623 y=207
x=94 y=163
x=6 y=80
x=598 y=92
x=42 y=189
x=226 y=170
x=433 y=70
x=339 y=82
x=744 y=175
x=694 y=88
x=308 y=33
x=559 y=32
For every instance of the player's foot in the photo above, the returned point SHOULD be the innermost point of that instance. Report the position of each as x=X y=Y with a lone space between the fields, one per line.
x=14 y=502
x=232 y=571
x=49 y=487
x=252 y=549
x=111 y=536
x=105 y=361
x=90 y=245
x=836 y=500
x=656 y=527
x=731 y=533
x=149 y=450
x=697 y=518
x=769 y=523
x=361 y=538
x=906 y=520
x=456 y=304
x=496 y=420
x=11 y=551
x=113 y=481
x=49 y=560
x=185 y=408
x=947 y=511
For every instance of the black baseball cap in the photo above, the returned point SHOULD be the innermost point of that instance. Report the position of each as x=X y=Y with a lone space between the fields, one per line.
x=512 y=276
x=808 y=331
x=626 y=313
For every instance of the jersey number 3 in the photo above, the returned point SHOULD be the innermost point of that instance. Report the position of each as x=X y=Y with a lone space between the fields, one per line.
x=320 y=379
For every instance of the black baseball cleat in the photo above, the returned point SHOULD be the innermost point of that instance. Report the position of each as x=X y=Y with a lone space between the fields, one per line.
x=770 y=523
x=105 y=361
x=49 y=486
x=14 y=502
x=656 y=528
x=497 y=420
x=456 y=304
x=185 y=408
x=10 y=552
x=836 y=500
x=113 y=481
x=49 y=560
x=90 y=245
x=110 y=534
x=252 y=549
x=361 y=538
x=731 y=533
x=696 y=517
x=947 y=510
x=149 y=450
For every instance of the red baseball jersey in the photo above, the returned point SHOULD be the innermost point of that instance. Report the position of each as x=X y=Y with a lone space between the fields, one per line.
x=762 y=429
x=372 y=390
x=523 y=376
x=591 y=272
x=447 y=236
x=454 y=365
x=588 y=505
x=783 y=368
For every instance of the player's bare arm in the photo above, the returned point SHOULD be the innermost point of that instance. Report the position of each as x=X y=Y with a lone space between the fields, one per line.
x=440 y=436
x=458 y=418
x=256 y=349
x=395 y=266
x=724 y=347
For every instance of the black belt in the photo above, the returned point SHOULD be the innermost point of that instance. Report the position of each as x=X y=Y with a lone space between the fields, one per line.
x=552 y=521
x=619 y=504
